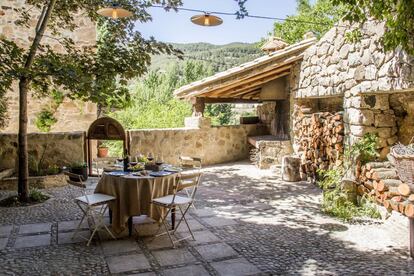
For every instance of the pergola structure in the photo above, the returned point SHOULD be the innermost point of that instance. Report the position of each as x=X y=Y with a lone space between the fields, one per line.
x=246 y=83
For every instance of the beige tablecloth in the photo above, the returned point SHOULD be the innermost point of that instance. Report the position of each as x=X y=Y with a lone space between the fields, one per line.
x=133 y=196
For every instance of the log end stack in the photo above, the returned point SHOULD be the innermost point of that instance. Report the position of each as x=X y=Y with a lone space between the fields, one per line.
x=320 y=137
x=380 y=181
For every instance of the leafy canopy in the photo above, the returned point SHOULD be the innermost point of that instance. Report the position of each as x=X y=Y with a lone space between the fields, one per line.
x=323 y=12
x=86 y=73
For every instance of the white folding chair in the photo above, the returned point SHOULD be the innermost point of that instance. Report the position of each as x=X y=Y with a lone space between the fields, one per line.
x=93 y=206
x=191 y=164
x=182 y=203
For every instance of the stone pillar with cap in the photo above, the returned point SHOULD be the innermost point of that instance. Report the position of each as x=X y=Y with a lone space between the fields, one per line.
x=197 y=120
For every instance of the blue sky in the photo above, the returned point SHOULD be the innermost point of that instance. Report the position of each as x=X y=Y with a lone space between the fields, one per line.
x=177 y=27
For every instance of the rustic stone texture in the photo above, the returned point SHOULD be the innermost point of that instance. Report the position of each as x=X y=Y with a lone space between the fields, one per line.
x=360 y=67
x=61 y=148
x=272 y=152
x=403 y=106
x=39 y=182
x=291 y=169
x=71 y=115
x=214 y=145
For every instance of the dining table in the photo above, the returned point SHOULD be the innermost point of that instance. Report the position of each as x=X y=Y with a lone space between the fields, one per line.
x=134 y=194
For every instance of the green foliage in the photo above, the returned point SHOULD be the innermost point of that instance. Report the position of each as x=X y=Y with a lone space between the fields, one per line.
x=398 y=17
x=98 y=73
x=78 y=165
x=364 y=150
x=217 y=57
x=323 y=12
x=153 y=104
x=220 y=114
x=45 y=120
x=116 y=148
x=52 y=170
x=336 y=201
x=37 y=196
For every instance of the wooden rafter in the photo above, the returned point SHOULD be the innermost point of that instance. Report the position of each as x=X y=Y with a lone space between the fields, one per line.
x=288 y=55
x=253 y=75
x=253 y=81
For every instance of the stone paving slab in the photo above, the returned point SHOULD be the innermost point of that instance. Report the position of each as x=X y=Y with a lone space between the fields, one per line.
x=194 y=226
x=119 y=264
x=219 y=221
x=3 y=243
x=35 y=228
x=32 y=241
x=190 y=270
x=115 y=247
x=203 y=212
x=71 y=225
x=236 y=267
x=5 y=230
x=174 y=257
x=160 y=242
x=215 y=251
x=66 y=238
x=205 y=236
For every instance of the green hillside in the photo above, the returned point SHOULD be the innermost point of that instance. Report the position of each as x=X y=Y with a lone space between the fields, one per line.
x=220 y=57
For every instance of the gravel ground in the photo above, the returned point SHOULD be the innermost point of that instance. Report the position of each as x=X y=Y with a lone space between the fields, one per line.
x=274 y=225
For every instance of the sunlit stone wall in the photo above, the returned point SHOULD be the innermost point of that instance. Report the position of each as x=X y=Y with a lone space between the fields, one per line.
x=71 y=115
x=213 y=144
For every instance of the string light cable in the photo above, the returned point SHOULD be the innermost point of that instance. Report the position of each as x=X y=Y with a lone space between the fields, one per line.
x=249 y=16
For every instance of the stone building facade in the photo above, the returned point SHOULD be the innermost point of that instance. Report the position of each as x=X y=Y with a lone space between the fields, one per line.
x=71 y=115
x=375 y=89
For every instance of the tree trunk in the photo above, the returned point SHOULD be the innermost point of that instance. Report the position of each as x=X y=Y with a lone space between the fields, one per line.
x=23 y=187
x=24 y=81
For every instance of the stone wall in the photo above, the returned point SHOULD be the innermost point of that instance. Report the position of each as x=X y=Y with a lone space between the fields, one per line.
x=60 y=149
x=71 y=115
x=213 y=144
x=334 y=66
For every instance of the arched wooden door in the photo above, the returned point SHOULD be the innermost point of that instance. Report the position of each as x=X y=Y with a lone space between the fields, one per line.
x=104 y=128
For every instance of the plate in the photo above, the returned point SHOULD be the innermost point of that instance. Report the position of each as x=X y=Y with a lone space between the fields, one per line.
x=118 y=173
x=161 y=173
x=172 y=169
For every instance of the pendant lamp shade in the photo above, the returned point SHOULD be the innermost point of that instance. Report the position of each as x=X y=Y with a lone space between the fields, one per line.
x=115 y=11
x=207 y=20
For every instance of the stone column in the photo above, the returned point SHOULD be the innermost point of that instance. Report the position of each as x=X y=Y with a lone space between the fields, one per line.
x=198 y=107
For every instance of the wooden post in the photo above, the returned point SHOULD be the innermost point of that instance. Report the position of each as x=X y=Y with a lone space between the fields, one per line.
x=198 y=107
x=411 y=222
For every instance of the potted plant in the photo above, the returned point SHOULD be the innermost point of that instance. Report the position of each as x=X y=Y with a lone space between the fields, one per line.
x=80 y=169
x=102 y=150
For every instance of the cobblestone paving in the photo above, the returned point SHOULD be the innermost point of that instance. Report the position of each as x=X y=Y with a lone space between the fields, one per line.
x=247 y=222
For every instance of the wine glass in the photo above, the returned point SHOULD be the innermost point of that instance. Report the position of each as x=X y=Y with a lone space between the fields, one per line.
x=159 y=160
x=150 y=156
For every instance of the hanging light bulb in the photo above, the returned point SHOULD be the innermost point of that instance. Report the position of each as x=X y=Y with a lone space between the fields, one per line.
x=206 y=19
x=115 y=11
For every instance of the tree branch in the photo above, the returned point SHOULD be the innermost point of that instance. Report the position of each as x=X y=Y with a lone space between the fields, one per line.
x=39 y=34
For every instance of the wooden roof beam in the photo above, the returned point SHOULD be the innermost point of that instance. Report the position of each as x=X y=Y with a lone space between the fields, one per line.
x=255 y=80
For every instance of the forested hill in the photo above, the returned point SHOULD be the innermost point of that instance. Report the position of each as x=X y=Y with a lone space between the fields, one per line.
x=220 y=57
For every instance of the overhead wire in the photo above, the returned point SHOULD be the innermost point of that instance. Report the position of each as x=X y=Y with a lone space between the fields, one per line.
x=247 y=15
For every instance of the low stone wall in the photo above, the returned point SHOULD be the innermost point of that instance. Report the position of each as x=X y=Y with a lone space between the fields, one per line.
x=213 y=144
x=271 y=153
x=60 y=148
x=38 y=182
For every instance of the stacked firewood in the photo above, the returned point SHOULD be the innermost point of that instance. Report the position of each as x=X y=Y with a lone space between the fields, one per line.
x=320 y=137
x=380 y=181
